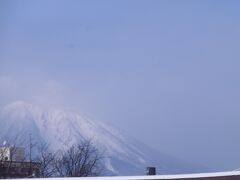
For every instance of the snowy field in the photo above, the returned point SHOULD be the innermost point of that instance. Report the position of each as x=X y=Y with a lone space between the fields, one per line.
x=157 y=177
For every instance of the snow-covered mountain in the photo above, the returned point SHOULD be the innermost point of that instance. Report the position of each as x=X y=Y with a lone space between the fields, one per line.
x=125 y=155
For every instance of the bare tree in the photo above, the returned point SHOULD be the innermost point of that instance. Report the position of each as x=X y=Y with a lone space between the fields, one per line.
x=80 y=160
x=47 y=160
x=32 y=147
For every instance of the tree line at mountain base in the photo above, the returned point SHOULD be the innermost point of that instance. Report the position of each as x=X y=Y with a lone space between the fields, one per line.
x=79 y=160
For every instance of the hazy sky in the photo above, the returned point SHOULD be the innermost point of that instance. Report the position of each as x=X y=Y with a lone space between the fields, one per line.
x=166 y=72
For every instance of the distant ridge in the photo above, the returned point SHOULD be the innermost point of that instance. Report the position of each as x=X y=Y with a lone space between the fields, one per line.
x=125 y=155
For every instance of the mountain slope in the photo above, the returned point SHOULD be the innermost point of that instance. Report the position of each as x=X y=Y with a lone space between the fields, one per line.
x=126 y=156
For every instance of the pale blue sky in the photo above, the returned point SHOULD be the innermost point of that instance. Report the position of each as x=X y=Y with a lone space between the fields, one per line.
x=167 y=72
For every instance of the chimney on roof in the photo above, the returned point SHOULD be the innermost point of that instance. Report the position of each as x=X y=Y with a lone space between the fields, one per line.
x=151 y=171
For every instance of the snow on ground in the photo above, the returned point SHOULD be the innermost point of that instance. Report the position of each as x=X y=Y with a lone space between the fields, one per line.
x=156 y=177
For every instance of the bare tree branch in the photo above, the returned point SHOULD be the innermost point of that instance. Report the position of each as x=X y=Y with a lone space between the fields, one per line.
x=46 y=159
x=79 y=160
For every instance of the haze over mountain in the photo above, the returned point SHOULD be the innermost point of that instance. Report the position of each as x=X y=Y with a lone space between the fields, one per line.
x=61 y=129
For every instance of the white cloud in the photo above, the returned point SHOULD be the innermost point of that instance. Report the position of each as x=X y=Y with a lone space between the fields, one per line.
x=50 y=93
x=8 y=89
x=7 y=85
x=31 y=90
